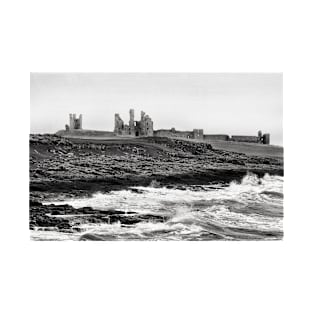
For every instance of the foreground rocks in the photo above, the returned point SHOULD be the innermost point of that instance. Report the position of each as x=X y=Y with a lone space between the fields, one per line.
x=65 y=218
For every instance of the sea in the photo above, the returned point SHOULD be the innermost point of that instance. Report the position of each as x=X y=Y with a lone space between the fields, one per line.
x=248 y=210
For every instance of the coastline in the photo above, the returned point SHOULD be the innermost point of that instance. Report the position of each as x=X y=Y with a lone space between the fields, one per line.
x=89 y=186
x=82 y=167
x=63 y=169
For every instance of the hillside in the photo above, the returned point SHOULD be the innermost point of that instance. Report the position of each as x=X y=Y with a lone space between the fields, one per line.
x=82 y=166
x=249 y=148
x=252 y=149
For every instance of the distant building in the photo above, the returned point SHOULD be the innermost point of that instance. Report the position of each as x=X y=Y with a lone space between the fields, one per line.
x=144 y=128
x=75 y=123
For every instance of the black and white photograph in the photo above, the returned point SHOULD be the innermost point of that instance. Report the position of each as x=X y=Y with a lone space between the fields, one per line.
x=156 y=156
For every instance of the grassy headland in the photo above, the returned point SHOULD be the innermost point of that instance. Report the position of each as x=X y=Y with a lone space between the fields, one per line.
x=82 y=166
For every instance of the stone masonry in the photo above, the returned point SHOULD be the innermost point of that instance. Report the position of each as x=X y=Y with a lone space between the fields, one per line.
x=142 y=128
x=75 y=123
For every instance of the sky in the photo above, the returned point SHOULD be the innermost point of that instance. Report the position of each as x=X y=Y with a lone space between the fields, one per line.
x=220 y=103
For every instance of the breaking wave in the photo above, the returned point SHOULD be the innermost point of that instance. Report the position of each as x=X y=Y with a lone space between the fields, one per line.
x=249 y=210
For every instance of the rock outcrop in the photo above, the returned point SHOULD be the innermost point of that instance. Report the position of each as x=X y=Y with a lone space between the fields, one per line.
x=76 y=166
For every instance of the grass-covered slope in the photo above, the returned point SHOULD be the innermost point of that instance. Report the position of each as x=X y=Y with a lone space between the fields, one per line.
x=79 y=165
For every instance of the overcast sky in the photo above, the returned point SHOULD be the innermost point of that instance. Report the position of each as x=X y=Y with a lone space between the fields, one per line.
x=233 y=104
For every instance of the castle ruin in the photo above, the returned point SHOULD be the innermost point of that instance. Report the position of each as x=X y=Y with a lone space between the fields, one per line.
x=75 y=123
x=144 y=128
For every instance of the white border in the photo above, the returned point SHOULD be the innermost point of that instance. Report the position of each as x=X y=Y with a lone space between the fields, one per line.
x=165 y=36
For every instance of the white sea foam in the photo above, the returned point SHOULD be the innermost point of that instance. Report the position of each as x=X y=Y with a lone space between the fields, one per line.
x=254 y=204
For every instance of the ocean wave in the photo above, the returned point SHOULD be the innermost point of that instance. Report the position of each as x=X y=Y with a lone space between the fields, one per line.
x=250 y=209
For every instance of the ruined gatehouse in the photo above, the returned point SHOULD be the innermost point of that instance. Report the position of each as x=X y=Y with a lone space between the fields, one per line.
x=142 y=128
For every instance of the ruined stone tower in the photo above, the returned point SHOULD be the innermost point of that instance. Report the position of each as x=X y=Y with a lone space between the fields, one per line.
x=132 y=122
x=75 y=123
x=266 y=139
x=146 y=125
x=118 y=124
x=197 y=134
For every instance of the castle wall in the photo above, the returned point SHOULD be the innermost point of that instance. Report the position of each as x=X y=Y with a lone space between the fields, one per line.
x=216 y=137
x=162 y=133
x=173 y=133
x=254 y=139
x=86 y=133
x=184 y=134
x=265 y=139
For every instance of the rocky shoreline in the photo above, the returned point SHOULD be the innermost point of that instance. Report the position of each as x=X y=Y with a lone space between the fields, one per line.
x=65 y=218
x=60 y=166
x=63 y=168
